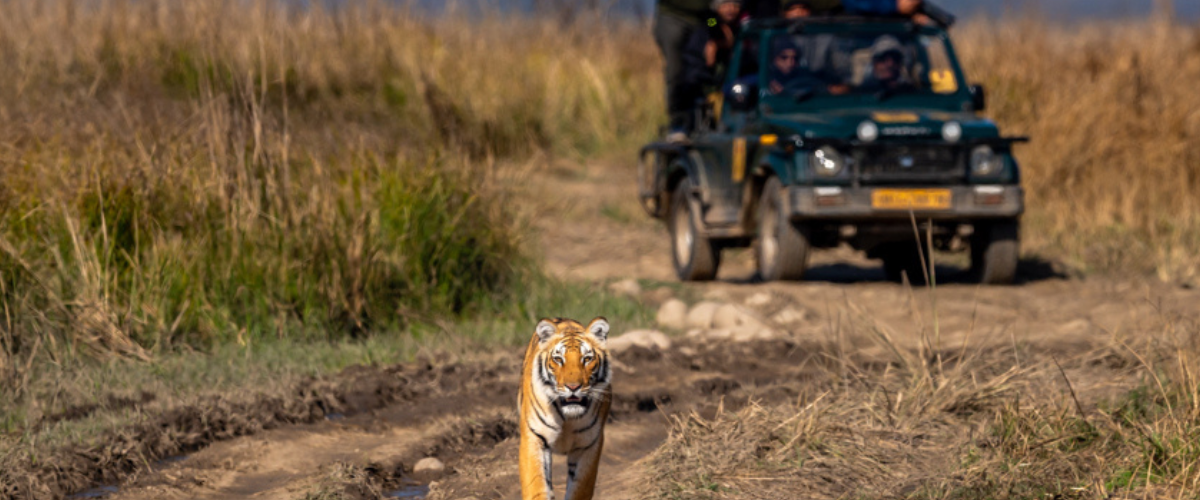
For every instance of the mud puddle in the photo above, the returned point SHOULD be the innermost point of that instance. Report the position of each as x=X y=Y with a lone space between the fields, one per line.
x=412 y=492
x=97 y=492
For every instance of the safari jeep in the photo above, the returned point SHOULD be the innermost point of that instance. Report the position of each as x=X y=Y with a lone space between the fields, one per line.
x=839 y=130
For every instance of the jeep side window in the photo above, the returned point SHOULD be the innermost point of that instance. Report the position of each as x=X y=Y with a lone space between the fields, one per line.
x=940 y=77
x=749 y=56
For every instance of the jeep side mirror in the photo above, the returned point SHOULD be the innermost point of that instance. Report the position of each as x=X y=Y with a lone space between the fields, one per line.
x=978 y=98
x=742 y=96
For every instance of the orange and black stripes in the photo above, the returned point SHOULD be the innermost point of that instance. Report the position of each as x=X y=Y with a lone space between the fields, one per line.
x=564 y=400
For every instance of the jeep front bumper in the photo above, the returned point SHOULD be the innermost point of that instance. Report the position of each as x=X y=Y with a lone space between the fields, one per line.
x=846 y=203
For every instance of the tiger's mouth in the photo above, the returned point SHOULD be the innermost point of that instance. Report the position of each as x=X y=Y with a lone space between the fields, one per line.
x=574 y=400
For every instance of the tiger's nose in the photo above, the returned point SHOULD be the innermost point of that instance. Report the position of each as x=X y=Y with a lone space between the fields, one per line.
x=573 y=387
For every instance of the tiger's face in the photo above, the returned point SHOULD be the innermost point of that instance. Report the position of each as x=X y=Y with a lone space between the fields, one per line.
x=573 y=365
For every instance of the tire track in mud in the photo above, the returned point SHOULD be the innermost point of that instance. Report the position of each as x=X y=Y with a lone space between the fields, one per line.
x=383 y=420
x=384 y=440
x=123 y=455
x=651 y=388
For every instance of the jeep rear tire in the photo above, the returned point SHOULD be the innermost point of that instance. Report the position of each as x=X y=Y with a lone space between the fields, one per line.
x=695 y=256
x=783 y=247
x=995 y=251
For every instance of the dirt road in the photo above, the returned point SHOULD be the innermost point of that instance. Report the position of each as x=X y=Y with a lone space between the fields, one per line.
x=465 y=414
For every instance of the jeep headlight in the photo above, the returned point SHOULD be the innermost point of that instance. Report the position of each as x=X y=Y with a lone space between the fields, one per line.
x=827 y=161
x=868 y=131
x=985 y=162
x=952 y=131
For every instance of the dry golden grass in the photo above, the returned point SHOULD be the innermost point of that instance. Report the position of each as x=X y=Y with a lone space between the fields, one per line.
x=175 y=174
x=1113 y=172
x=178 y=175
x=991 y=421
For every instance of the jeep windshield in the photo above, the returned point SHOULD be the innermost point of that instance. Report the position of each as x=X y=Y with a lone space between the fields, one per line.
x=877 y=68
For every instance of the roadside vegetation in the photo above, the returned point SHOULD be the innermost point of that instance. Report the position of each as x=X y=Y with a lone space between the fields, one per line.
x=1111 y=173
x=230 y=197
x=1109 y=418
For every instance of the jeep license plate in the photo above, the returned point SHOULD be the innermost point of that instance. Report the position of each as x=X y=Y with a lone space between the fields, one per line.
x=915 y=199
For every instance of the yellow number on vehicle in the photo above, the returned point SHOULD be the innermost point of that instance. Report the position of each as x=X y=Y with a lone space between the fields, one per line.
x=901 y=117
x=739 y=159
x=943 y=81
x=911 y=199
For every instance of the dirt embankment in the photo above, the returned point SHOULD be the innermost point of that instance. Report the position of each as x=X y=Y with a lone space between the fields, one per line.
x=165 y=438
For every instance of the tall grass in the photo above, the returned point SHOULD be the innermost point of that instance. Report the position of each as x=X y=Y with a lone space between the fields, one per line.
x=1113 y=172
x=183 y=173
x=187 y=174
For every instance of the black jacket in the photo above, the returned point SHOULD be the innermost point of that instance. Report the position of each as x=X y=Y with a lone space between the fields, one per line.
x=695 y=68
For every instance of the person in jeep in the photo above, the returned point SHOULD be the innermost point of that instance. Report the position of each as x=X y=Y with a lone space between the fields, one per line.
x=795 y=9
x=789 y=75
x=680 y=26
x=783 y=68
x=888 y=69
x=791 y=9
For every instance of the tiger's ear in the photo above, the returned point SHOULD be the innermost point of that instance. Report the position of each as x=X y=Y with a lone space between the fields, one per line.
x=545 y=329
x=599 y=328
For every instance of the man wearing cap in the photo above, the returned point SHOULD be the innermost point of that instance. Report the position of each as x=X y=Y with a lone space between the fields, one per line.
x=888 y=64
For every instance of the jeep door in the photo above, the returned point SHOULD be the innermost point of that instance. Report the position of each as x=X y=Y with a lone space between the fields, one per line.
x=725 y=146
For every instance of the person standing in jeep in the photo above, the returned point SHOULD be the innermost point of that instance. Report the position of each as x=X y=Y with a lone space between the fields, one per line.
x=674 y=23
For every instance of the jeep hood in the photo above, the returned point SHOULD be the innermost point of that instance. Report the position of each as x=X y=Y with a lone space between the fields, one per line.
x=894 y=124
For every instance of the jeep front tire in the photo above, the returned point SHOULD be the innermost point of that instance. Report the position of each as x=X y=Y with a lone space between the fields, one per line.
x=783 y=247
x=995 y=251
x=695 y=256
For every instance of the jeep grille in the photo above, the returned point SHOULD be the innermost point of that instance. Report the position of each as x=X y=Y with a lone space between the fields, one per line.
x=897 y=163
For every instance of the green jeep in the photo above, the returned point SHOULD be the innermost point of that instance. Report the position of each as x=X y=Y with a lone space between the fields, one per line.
x=839 y=130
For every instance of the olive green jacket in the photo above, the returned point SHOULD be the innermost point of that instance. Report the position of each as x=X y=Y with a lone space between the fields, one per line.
x=693 y=11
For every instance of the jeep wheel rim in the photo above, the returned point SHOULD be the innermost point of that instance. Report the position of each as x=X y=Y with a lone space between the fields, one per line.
x=683 y=236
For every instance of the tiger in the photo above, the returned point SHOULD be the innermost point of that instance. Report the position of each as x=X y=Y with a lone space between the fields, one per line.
x=563 y=401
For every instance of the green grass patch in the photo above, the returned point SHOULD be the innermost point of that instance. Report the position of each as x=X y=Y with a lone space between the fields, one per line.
x=269 y=364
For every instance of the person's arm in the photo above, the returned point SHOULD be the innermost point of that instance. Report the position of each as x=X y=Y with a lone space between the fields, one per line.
x=918 y=10
x=908 y=7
